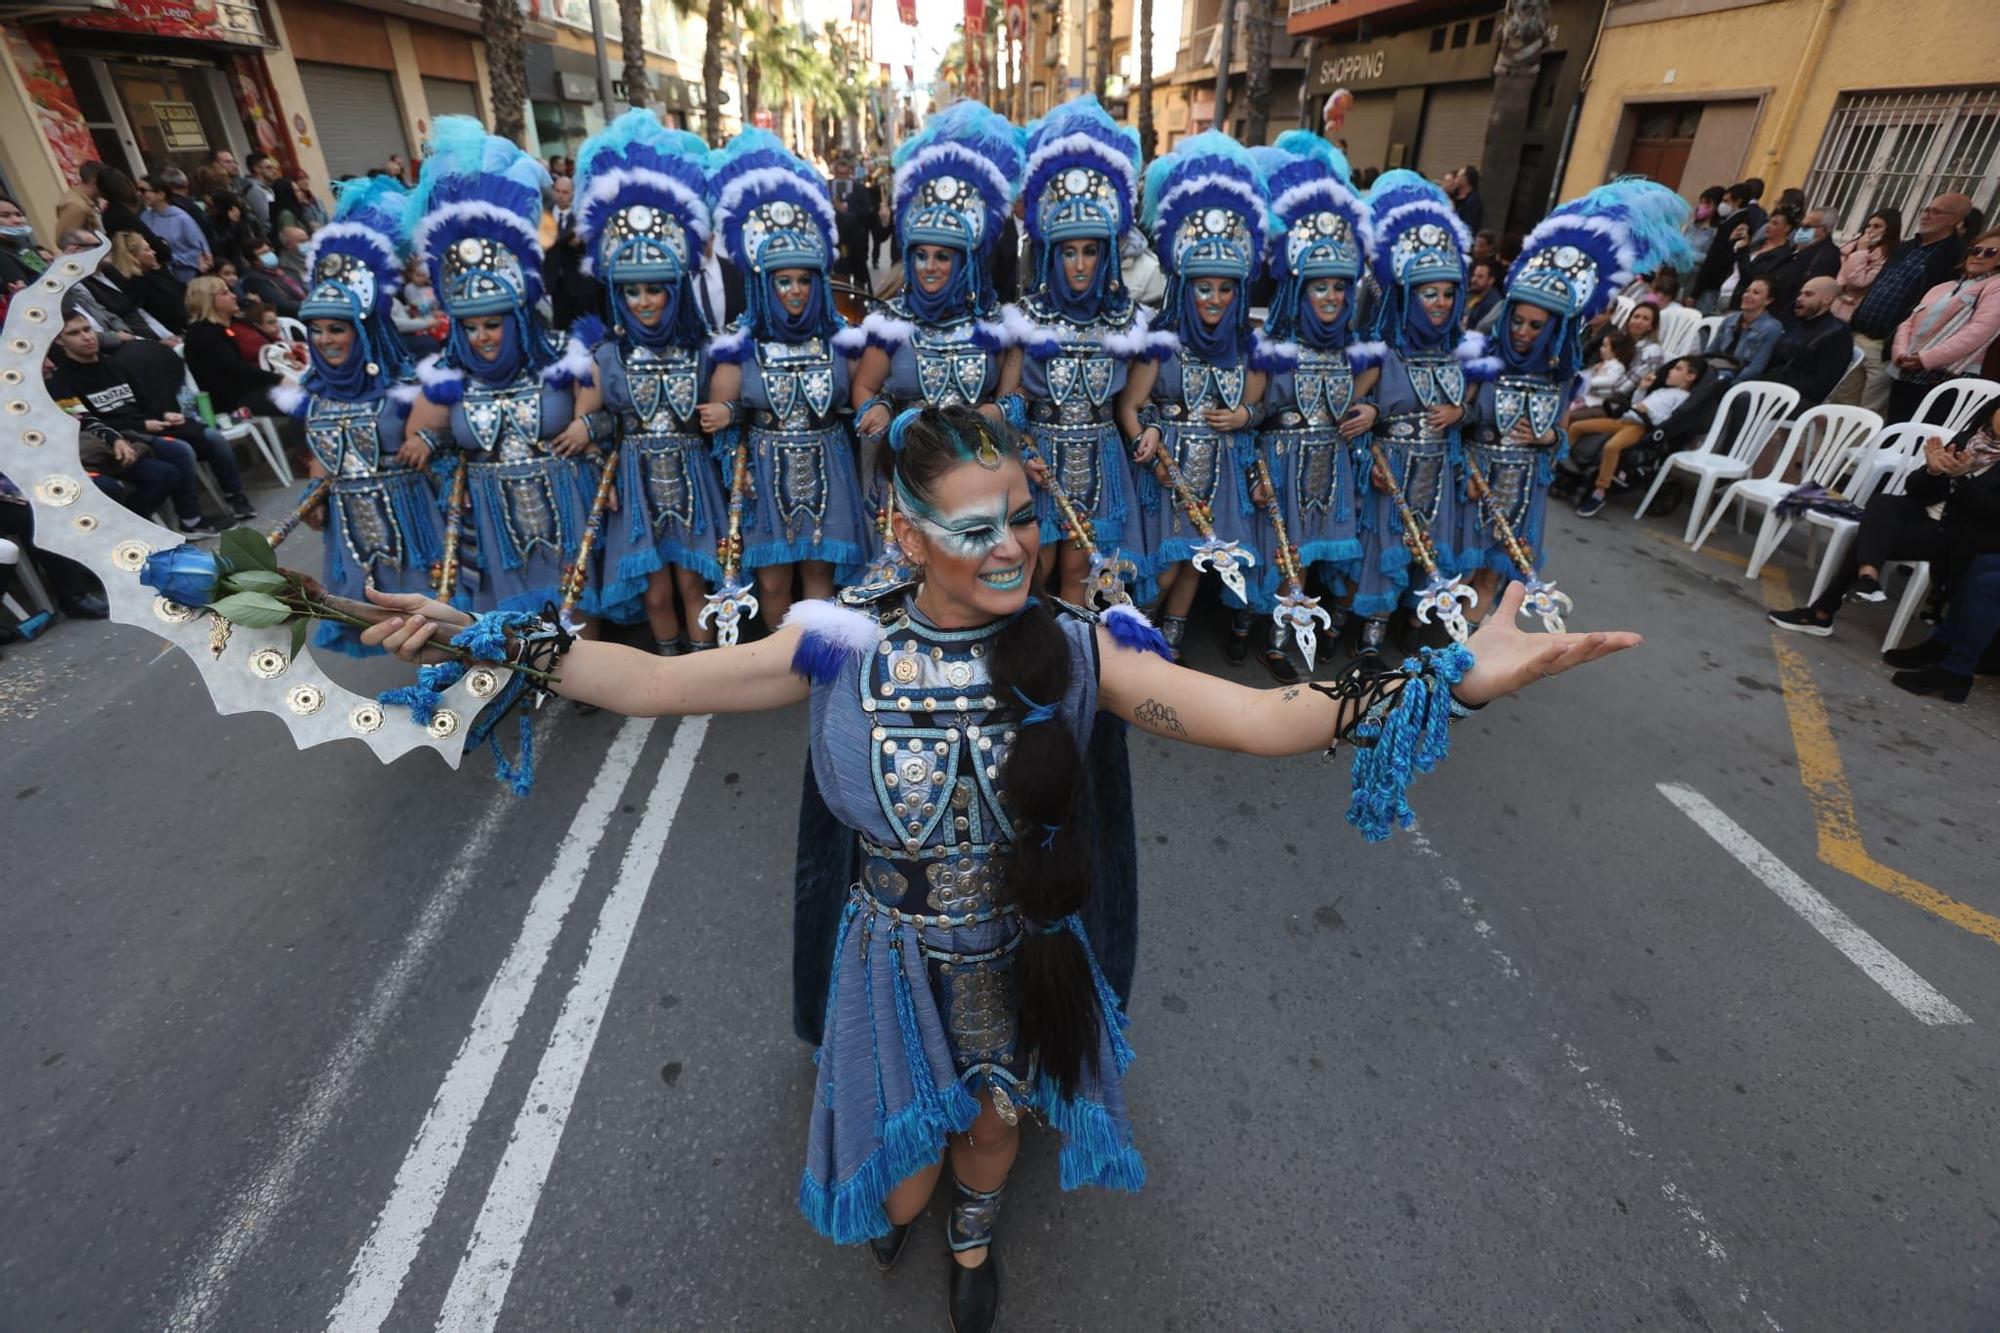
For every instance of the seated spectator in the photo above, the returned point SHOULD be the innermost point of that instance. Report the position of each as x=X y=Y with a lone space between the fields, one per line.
x=1603 y=376
x=265 y=279
x=121 y=207
x=232 y=277
x=1944 y=663
x=1654 y=406
x=309 y=213
x=265 y=320
x=1485 y=280
x=1642 y=329
x=231 y=381
x=230 y=226
x=1948 y=514
x=1947 y=334
x=141 y=347
x=187 y=244
x=1484 y=246
x=105 y=393
x=1740 y=347
x=77 y=592
x=80 y=209
x=1774 y=259
x=1862 y=258
x=1818 y=256
x=175 y=182
x=141 y=275
x=292 y=253
x=246 y=330
x=1701 y=226
x=1814 y=354
x=1930 y=255
x=21 y=260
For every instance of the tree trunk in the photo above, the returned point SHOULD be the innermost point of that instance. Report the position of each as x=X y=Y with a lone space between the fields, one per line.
x=1225 y=39
x=1257 y=71
x=1103 y=71
x=1142 y=33
x=1524 y=38
x=507 y=66
x=711 y=74
x=632 y=40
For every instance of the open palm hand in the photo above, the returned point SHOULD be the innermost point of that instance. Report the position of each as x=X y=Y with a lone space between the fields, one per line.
x=1508 y=658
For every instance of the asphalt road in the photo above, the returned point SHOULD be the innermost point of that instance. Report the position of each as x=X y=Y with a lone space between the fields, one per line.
x=295 y=1040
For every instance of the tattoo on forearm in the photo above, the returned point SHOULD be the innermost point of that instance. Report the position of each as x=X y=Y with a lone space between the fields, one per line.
x=1156 y=716
x=1291 y=693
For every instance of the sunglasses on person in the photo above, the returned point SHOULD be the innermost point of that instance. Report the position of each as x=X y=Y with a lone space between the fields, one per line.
x=1983 y=252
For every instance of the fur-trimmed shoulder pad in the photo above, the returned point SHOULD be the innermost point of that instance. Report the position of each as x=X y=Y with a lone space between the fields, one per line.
x=835 y=630
x=1126 y=623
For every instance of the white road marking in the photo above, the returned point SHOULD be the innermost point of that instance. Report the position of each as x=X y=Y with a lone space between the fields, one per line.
x=1862 y=949
x=251 y=1213
x=479 y=1288
x=384 y=1262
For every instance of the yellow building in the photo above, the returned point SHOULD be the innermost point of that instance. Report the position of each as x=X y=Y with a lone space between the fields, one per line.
x=1864 y=104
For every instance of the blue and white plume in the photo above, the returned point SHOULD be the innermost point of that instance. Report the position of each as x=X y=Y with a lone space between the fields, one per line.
x=642 y=201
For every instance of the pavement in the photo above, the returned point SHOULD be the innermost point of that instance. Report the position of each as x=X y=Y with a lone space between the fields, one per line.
x=1679 y=1008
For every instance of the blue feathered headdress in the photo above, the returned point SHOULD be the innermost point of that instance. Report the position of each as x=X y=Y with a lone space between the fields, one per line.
x=642 y=200
x=773 y=211
x=1418 y=238
x=1326 y=229
x=475 y=219
x=355 y=263
x=1082 y=174
x=957 y=177
x=1206 y=209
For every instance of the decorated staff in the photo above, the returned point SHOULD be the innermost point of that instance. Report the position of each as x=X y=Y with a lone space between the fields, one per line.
x=1105 y=576
x=578 y=573
x=310 y=501
x=1292 y=612
x=381 y=515
x=732 y=599
x=1569 y=269
x=1078 y=331
x=643 y=216
x=1441 y=597
x=1190 y=413
x=444 y=573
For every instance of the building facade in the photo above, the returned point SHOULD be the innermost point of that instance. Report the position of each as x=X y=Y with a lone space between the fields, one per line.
x=1865 y=104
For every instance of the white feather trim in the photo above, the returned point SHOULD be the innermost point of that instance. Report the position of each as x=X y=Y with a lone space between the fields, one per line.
x=888 y=329
x=1436 y=212
x=1277 y=348
x=288 y=398
x=728 y=344
x=1082 y=145
x=403 y=393
x=475 y=210
x=853 y=630
x=431 y=370
x=850 y=341
x=604 y=191
x=1308 y=196
x=964 y=156
x=1362 y=355
x=1023 y=331
x=1470 y=347
x=575 y=362
x=753 y=185
x=1134 y=340
x=339 y=231
x=1253 y=203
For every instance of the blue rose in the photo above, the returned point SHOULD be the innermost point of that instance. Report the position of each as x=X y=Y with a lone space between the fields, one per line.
x=186 y=574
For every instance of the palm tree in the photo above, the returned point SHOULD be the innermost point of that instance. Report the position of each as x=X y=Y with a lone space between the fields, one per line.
x=1143 y=35
x=1524 y=38
x=1257 y=72
x=1103 y=46
x=632 y=41
x=507 y=67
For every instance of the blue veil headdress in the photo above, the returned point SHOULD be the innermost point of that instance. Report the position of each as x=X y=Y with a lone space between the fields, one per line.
x=1081 y=182
x=354 y=266
x=1325 y=230
x=956 y=179
x=1418 y=240
x=643 y=216
x=1207 y=212
x=772 y=212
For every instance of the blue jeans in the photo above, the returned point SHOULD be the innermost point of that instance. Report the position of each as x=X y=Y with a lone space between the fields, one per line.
x=154 y=478
x=1973 y=616
x=196 y=441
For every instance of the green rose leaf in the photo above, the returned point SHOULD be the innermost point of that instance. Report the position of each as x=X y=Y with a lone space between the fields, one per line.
x=299 y=628
x=252 y=610
x=256 y=580
x=247 y=549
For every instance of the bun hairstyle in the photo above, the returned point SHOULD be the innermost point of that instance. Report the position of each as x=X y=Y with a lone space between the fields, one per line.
x=1046 y=874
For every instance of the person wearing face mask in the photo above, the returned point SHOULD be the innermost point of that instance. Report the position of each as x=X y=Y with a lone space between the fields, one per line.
x=380 y=515
x=940 y=340
x=644 y=224
x=1317 y=411
x=780 y=379
x=267 y=281
x=1701 y=227
x=1193 y=413
x=510 y=403
x=1077 y=333
x=1422 y=395
x=21 y=260
x=1818 y=253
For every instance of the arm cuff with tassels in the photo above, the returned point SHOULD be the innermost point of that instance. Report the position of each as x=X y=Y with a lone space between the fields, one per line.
x=1014 y=408
x=1398 y=733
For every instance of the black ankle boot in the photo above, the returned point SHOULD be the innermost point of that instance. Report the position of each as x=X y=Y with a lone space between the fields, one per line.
x=1928 y=653
x=1279 y=662
x=1936 y=680
x=1237 y=646
x=884 y=1250
x=972 y=1300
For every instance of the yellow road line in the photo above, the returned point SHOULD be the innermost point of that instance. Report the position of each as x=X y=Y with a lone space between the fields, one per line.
x=1825 y=777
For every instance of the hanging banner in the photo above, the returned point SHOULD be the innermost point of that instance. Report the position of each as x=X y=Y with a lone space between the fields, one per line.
x=1017 y=19
x=906 y=10
x=975 y=18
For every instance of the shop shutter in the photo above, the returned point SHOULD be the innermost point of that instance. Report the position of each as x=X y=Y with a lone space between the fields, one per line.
x=356 y=115
x=1454 y=127
x=450 y=97
x=1366 y=130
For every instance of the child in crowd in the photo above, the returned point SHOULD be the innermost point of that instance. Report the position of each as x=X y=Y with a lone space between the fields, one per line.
x=1603 y=377
x=1654 y=406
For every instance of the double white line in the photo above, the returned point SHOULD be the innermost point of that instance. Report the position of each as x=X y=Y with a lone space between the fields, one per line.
x=480 y=1285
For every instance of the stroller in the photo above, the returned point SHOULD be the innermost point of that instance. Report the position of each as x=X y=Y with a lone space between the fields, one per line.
x=1642 y=462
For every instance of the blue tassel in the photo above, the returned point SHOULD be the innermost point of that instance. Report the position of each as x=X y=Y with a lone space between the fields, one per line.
x=1412 y=739
x=1094 y=1150
x=1131 y=630
x=1115 y=1020
x=820 y=657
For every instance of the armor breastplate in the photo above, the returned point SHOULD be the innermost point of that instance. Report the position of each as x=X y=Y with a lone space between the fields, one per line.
x=1080 y=374
x=1439 y=380
x=1529 y=397
x=798 y=382
x=663 y=384
x=951 y=369
x=1510 y=471
x=505 y=421
x=1203 y=385
x=1322 y=387
x=345 y=437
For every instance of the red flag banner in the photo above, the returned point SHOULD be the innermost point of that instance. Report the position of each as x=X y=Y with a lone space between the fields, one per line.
x=906 y=10
x=975 y=18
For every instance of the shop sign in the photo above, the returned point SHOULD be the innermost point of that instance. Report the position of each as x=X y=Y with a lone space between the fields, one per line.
x=180 y=127
x=1399 y=60
x=190 y=20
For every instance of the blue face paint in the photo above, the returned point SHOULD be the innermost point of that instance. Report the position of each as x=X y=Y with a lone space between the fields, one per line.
x=969 y=534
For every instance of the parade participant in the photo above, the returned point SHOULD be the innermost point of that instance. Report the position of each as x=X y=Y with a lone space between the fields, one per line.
x=1569 y=269
x=1316 y=417
x=643 y=215
x=1191 y=414
x=966 y=933
x=379 y=508
x=1419 y=266
x=939 y=341
x=1078 y=330
x=500 y=393
x=779 y=379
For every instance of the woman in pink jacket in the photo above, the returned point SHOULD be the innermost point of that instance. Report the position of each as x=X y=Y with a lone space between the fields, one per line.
x=1947 y=334
x=1862 y=258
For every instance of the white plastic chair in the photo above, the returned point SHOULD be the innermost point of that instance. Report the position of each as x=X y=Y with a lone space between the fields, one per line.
x=1621 y=310
x=1680 y=330
x=1840 y=431
x=1915 y=588
x=1704 y=329
x=11 y=553
x=1764 y=405
x=1893 y=451
x=263 y=436
x=1961 y=399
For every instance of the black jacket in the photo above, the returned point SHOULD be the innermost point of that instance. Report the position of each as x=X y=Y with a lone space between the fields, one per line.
x=220 y=369
x=1812 y=357
x=103 y=388
x=162 y=294
x=1971 y=514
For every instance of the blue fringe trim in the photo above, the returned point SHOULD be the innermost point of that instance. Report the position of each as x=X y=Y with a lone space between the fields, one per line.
x=1094 y=1151
x=790 y=553
x=819 y=658
x=1412 y=739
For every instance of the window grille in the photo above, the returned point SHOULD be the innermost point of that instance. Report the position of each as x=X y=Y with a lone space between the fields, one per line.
x=1898 y=149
